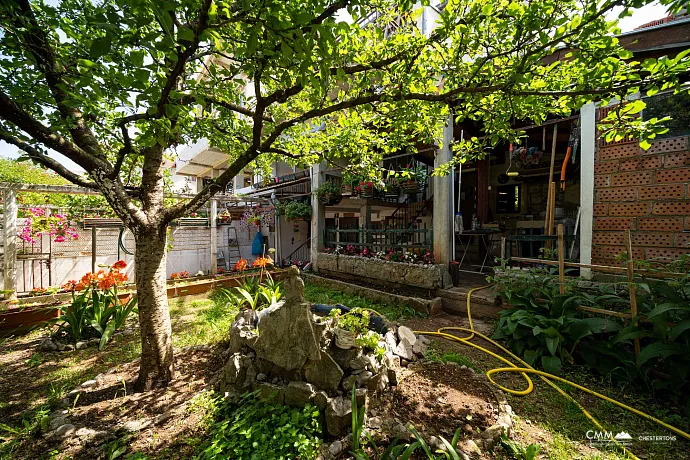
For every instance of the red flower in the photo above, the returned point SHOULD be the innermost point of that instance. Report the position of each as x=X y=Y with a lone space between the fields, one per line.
x=369 y=184
x=408 y=165
x=359 y=188
x=361 y=183
x=119 y=265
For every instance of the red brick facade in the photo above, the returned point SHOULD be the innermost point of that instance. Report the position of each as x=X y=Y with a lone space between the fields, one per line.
x=647 y=192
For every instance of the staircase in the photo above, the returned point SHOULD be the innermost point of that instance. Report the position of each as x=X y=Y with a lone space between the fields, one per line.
x=408 y=212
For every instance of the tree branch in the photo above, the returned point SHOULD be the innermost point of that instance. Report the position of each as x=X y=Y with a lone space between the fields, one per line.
x=45 y=160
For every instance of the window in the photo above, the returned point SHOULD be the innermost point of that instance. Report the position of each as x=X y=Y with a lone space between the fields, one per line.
x=676 y=106
x=507 y=199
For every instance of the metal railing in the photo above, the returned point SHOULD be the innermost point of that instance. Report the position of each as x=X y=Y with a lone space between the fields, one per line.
x=381 y=239
x=301 y=254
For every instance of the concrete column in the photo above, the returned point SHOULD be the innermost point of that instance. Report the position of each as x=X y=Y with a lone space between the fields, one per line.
x=588 y=139
x=443 y=201
x=318 y=215
x=10 y=243
x=214 y=237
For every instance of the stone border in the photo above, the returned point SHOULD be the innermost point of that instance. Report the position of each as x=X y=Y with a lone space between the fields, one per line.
x=425 y=306
x=386 y=272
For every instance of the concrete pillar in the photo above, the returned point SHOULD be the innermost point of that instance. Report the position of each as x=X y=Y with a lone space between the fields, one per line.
x=318 y=215
x=214 y=237
x=10 y=242
x=443 y=201
x=588 y=140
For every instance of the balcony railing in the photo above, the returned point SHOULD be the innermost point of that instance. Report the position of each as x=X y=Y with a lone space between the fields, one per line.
x=381 y=239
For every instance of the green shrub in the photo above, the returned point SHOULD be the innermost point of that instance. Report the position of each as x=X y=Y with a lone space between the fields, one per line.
x=249 y=428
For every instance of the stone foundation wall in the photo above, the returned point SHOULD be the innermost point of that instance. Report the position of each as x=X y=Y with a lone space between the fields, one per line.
x=385 y=272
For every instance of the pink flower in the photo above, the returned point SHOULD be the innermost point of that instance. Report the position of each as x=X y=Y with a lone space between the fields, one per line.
x=59 y=239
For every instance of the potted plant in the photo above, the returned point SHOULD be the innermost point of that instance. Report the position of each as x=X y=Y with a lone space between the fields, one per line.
x=329 y=193
x=348 y=326
x=348 y=184
x=224 y=217
x=297 y=210
x=366 y=189
x=392 y=189
x=413 y=178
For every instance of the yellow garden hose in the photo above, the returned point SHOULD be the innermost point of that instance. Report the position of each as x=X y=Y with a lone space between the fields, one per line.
x=527 y=369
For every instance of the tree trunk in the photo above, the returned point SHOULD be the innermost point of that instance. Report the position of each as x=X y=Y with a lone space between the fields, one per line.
x=156 y=367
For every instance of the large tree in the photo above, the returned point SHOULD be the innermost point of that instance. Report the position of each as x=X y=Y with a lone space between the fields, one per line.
x=118 y=84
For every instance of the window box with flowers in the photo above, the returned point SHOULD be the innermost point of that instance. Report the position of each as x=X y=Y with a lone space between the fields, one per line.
x=329 y=193
x=349 y=183
x=365 y=189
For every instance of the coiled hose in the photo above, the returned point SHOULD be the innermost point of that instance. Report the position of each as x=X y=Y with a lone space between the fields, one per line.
x=525 y=369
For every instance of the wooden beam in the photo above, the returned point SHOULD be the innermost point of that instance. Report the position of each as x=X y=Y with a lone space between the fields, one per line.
x=632 y=287
x=561 y=259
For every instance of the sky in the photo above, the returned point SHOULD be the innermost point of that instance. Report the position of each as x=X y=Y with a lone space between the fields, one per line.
x=641 y=16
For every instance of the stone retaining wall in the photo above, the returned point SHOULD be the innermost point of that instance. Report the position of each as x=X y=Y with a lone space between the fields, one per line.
x=385 y=272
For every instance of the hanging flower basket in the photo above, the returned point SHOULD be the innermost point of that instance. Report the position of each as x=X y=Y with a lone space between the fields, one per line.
x=329 y=193
x=330 y=199
x=392 y=191
x=410 y=187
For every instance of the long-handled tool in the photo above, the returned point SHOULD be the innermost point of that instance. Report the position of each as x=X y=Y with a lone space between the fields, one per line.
x=573 y=142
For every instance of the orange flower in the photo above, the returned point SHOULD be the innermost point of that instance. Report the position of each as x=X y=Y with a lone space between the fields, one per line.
x=106 y=283
x=69 y=285
x=240 y=265
x=262 y=262
x=119 y=265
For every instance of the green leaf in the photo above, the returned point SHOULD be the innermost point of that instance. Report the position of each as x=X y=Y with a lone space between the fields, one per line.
x=86 y=63
x=678 y=329
x=552 y=345
x=185 y=33
x=551 y=364
x=665 y=308
x=100 y=47
x=530 y=357
x=656 y=350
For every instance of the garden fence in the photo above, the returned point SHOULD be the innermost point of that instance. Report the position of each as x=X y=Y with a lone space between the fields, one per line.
x=382 y=239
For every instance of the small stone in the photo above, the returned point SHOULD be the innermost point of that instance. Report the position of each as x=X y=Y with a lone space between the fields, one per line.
x=405 y=333
x=48 y=345
x=68 y=347
x=390 y=340
x=468 y=428
x=424 y=339
x=65 y=430
x=404 y=350
x=57 y=422
x=74 y=392
x=338 y=416
x=85 y=432
x=419 y=349
x=261 y=377
x=400 y=431
x=298 y=394
x=335 y=448
x=349 y=382
x=136 y=425
x=271 y=393
x=89 y=383
x=374 y=423
x=162 y=417
x=364 y=377
x=320 y=399
x=362 y=397
x=472 y=447
x=94 y=342
x=81 y=345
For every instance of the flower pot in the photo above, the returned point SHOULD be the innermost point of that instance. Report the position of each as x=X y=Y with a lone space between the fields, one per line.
x=392 y=191
x=410 y=186
x=330 y=199
x=346 y=190
x=367 y=192
x=344 y=339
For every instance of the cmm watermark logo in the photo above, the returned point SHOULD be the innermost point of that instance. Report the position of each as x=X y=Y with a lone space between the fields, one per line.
x=607 y=437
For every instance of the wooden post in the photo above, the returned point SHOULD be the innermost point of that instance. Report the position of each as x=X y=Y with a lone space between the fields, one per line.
x=631 y=286
x=93 y=249
x=553 y=152
x=561 y=259
x=10 y=243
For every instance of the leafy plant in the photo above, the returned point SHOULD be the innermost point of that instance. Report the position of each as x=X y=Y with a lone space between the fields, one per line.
x=517 y=451
x=328 y=189
x=356 y=320
x=294 y=210
x=254 y=293
x=96 y=310
x=254 y=429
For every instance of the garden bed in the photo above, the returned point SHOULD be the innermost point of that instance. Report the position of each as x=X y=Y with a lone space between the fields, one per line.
x=24 y=317
x=421 y=305
x=384 y=272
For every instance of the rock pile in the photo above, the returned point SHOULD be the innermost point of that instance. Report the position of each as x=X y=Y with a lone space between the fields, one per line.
x=290 y=356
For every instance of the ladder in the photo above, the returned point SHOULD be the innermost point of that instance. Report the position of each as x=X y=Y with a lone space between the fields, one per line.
x=234 y=255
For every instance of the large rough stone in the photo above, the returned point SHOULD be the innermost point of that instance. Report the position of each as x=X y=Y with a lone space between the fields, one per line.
x=234 y=373
x=338 y=416
x=298 y=394
x=405 y=333
x=404 y=350
x=242 y=336
x=286 y=336
x=324 y=373
x=343 y=357
x=294 y=286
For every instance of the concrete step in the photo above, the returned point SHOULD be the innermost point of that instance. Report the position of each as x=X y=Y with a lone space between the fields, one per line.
x=484 y=303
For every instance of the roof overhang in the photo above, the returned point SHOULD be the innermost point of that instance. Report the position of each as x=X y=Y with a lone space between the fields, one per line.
x=203 y=162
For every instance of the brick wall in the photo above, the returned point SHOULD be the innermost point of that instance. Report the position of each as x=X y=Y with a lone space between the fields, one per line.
x=647 y=192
